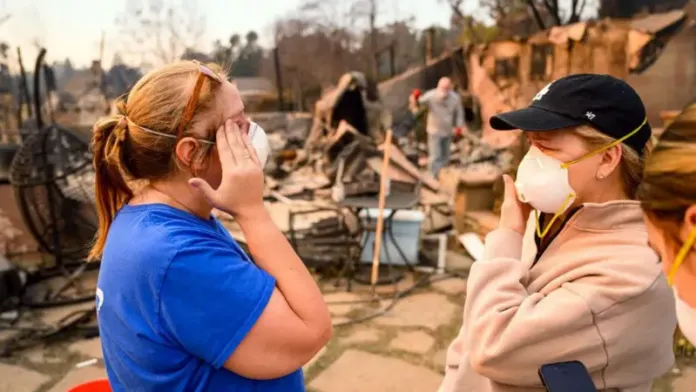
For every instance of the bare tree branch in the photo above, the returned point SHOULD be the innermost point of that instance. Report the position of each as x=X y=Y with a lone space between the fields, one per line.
x=554 y=11
x=160 y=30
x=373 y=37
x=581 y=8
x=464 y=20
x=537 y=16
x=574 y=16
x=500 y=8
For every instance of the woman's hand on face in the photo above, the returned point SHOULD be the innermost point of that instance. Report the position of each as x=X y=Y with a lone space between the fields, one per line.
x=513 y=213
x=241 y=188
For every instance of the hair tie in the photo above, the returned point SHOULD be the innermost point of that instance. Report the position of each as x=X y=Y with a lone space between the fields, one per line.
x=122 y=121
x=121 y=128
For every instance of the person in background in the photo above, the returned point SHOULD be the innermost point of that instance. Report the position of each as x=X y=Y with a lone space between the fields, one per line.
x=445 y=118
x=568 y=274
x=668 y=198
x=180 y=306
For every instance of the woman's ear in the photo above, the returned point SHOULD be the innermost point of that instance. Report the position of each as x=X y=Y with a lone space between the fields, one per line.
x=688 y=224
x=609 y=162
x=186 y=151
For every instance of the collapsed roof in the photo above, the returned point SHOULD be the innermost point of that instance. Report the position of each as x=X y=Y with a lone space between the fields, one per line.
x=652 y=53
x=349 y=101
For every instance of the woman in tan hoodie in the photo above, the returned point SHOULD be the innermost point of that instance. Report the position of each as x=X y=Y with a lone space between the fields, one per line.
x=668 y=197
x=568 y=274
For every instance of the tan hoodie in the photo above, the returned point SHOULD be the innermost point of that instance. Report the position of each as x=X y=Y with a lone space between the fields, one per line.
x=596 y=295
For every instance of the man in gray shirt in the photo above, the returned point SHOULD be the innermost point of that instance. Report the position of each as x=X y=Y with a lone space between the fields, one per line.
x=445 y=115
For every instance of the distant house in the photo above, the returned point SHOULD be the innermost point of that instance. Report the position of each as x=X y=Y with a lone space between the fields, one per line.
x=653 y=53
x=119 y=80
x=255 y=86
x=85 y=96
x=258 y=94
x=81 y=101
x=191 y=54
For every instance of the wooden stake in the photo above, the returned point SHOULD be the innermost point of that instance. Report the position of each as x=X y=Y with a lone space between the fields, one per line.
x=384 y=178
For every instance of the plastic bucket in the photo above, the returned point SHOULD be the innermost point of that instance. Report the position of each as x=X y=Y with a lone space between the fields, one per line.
x=101 y=385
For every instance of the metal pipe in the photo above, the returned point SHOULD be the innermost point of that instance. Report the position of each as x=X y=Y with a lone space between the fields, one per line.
x=392 y=55
x=37 y=87
x=24 y=90
x=429 y=43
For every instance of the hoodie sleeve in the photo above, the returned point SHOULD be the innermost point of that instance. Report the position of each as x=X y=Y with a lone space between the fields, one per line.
x=425 y=99
x=509 y=333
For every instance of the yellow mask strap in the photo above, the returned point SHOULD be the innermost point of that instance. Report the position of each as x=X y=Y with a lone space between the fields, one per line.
x=681 y=256
x=604 y=148
x=543 y=233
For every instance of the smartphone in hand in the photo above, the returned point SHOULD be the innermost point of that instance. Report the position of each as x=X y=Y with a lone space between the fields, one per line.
x=566 y=377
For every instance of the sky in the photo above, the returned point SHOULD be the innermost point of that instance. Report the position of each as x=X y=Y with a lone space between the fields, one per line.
x=73 y=28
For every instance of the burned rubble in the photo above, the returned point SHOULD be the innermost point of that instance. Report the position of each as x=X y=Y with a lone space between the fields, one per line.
x=320 y=160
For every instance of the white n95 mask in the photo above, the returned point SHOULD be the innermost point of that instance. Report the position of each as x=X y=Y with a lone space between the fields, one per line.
x=259 y=140
x=686 y=315
x=542 y=182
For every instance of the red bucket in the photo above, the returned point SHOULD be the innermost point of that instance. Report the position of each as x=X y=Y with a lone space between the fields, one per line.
x=101 y=385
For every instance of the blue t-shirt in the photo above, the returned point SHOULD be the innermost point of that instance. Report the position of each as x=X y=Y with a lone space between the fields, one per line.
x=176 y=295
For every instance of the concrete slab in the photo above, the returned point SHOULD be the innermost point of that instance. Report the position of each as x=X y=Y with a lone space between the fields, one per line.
x=362 y=336
x=417 y=342
x=359 y=371
x=18 y=379
x=429 y=310
x=78 y=376
x=342 y=303
x=312 y=361
x=89 y=348
x=686 y=382
x=440 y=360
x=338 y=320
x=452 y=286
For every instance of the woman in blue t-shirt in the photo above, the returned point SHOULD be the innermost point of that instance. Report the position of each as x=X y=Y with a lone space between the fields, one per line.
x=180 y=306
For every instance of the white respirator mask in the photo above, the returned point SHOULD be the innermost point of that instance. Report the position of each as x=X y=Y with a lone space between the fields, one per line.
x=686 y=315
x=542 y=182
x=259 y=140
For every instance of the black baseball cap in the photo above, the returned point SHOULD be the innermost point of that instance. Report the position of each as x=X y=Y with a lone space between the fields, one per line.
x=604 y=102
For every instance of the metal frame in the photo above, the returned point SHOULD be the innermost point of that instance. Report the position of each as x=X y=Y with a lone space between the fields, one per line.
x=348 y=243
